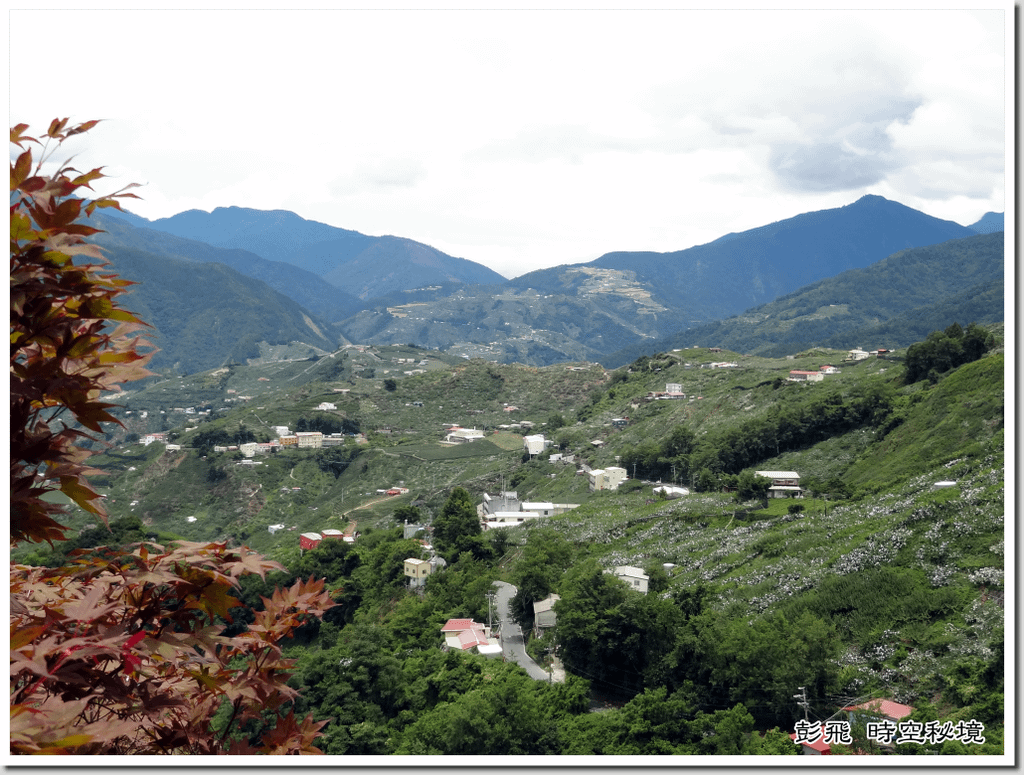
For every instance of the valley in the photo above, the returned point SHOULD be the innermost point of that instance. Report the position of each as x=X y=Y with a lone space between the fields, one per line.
x=896 y=550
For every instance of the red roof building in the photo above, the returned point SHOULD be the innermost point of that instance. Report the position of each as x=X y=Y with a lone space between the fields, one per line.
x=818 y=748
x=887 y=708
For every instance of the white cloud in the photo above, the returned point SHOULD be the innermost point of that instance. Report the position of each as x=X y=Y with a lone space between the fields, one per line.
x=520 y=139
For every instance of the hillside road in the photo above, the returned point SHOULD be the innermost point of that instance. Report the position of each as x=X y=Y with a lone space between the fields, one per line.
x=513 y=645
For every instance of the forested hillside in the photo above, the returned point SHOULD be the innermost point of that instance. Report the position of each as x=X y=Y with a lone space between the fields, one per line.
x=891 y=303
x=879 y=583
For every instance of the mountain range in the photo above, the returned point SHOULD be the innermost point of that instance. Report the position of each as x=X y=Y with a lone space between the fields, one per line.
x=285 y=280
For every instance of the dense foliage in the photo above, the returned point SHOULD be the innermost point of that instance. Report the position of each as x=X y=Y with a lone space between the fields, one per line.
x=121 y=651
x=945 y=350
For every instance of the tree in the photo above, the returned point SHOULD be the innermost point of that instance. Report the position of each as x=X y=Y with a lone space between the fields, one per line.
x=124 y=651
x=63 y=353
x=750 y=486
x=390 y=385
x=456 y=524
x=119 y=654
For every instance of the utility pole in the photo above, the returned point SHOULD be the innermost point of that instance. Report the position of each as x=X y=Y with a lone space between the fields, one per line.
x=802 y=700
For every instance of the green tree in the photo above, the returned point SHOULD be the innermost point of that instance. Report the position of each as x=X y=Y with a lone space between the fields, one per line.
x=457 y=524
x=750 y=486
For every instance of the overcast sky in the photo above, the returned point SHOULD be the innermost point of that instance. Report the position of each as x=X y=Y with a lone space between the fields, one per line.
x=524 y=139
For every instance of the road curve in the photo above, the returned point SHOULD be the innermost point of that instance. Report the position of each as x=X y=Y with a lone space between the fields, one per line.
x=513 y=645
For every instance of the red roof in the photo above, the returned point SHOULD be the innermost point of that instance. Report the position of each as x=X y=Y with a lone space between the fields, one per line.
x=458 y=625
x=471 y=638
x=817 y=745
x=888 y=708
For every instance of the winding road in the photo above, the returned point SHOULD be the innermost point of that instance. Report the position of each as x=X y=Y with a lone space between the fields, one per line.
x=513 y=645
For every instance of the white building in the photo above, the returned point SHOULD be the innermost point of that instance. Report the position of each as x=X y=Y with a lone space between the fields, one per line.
x=536 y=444
x=310 y=439
x=607 y=478
x=785 y=484
x=463 y=435
x=635 y=577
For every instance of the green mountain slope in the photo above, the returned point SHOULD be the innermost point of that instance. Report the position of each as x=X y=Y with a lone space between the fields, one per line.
x=206 y=315
x=884 y=305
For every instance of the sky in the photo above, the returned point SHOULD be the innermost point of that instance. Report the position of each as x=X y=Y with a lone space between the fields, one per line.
x=522 y=139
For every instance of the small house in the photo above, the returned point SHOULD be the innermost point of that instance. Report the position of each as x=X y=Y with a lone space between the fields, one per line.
x=309 y=541
x=806 y=376
x=635 y=577
x=417 y=571
x=544 y=614
x=785 y=484
x=607 y=478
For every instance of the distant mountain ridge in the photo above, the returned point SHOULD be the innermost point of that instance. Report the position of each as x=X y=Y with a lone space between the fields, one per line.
x=989 y=223
x=358 y=264
x=894 y=302
x=739 y=271
x=399 y=291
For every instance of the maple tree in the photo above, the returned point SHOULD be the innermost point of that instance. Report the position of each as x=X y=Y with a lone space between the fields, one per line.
x=122 y=651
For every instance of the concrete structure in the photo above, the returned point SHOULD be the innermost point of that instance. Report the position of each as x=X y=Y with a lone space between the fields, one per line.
x=507 y=500
x=326 y=406
x=785 y=484
x=544 y=614
x=857 y=354
x=289 y=441
x=508 y=519
x=274 y=528
x=465 y=634
x=310 y=439
x=806 y=376
x=635 y=577
x=607 y=478
x=463 y=435
x=417 y=571
x=249 y=448
x=673 y=387
x=330 y=532
x=535 y=444
x=309 y=541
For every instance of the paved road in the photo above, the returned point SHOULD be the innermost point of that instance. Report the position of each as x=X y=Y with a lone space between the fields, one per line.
x=513 y=646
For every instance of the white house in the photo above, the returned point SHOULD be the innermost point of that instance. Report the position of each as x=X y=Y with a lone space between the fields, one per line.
x=274 y=528
x=806 y=376
x=508 y=519
x=607 y=478
x=536 y=444
x=857 y=354
x=785 y=484
x=673 y=387
x=326 y=406
x=310 y=439
x=463 y=435
x=633 y=576
x=248 y=449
